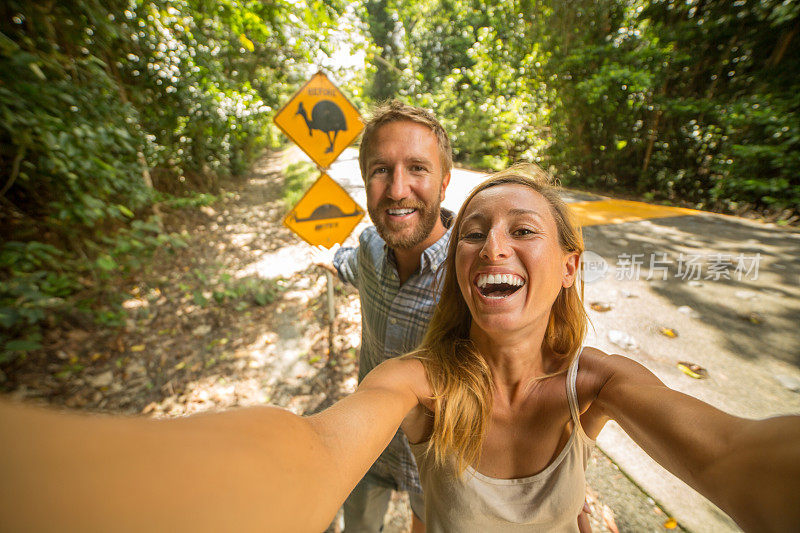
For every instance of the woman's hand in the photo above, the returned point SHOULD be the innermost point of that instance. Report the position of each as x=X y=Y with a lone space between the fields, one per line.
x=720 y=455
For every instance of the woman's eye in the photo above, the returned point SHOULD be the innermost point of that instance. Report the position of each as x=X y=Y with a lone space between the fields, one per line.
x=472 y=235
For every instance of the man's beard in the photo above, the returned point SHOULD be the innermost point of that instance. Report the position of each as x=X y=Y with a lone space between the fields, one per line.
x=404 y=239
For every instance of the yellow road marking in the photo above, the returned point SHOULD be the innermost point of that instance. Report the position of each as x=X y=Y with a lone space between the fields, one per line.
x=619 y=211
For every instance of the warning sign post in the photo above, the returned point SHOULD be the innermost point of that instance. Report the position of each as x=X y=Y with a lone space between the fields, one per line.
x=325 y=215
x=320 y=120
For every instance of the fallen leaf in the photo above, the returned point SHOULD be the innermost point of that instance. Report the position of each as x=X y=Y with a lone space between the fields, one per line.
x=600 y=307
x=671 y=524
x=101 y=381
x=137 y=348
x=78 y=335
x=692 y=370
x=200 y=331
x=668 y=332
x=753 y=318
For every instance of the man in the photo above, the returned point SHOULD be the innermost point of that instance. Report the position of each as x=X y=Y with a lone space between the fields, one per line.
x=405 y=161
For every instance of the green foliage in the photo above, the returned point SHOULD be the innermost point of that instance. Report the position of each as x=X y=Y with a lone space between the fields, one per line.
x=192 y=200
x=690 y=101
x=34 y=288
x=101 y=101
x=299 y=177
x=41 y=282
x=226 y=290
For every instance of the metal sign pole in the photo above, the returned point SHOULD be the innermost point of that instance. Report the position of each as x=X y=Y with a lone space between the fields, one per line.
x=331 y=313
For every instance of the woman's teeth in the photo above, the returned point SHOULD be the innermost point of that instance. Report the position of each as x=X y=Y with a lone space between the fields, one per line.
x=497 y=286
x=496 y=279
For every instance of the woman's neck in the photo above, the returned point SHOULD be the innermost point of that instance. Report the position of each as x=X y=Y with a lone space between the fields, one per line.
x=516 y=359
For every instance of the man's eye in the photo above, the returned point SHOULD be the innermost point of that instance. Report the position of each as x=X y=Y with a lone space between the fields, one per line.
x=379 y=170
x=521 y=232
x=418 y=168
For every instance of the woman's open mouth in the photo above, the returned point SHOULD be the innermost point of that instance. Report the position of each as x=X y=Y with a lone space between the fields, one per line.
x=497 y=286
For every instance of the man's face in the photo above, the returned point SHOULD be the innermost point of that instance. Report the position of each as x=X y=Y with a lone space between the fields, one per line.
x=405 y=183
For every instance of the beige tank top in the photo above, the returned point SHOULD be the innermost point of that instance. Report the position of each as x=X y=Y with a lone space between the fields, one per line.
x=548 y=501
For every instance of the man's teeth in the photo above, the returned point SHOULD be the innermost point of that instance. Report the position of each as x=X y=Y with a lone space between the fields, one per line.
x=400 y=212
x=496 y=279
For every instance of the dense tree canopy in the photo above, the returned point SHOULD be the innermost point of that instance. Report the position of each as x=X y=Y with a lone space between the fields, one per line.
x=109 y=110
x=696 y=100
x=108 y=107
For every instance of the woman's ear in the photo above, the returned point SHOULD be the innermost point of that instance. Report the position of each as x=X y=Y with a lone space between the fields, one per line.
x=571 y=263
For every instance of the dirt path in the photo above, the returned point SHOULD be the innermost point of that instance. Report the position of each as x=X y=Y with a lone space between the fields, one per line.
x=237 y=318
x=204 y=329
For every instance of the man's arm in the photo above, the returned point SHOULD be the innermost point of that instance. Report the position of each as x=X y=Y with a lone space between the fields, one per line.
x=722 y=456
x=249 y=469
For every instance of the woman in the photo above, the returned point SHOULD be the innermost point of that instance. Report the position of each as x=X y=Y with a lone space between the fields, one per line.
x=501 y=400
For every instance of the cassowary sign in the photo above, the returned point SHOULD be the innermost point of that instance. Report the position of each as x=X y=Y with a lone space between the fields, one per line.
x=320 y=120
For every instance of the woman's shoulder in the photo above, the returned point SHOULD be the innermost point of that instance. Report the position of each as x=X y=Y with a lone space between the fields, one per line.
x=597 y=365
x=600 y=372
x=593 y=366
x=405 y=371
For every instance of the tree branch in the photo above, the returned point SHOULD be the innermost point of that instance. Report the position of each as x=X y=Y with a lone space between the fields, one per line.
x=14 y=170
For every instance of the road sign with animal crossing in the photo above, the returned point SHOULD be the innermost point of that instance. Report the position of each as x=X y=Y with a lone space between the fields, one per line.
x=325 y=215
x=320 y=120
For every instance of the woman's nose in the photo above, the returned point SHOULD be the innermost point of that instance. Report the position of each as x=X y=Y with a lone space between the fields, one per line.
x=494 y=247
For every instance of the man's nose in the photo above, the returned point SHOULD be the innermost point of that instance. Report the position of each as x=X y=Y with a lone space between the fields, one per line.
x=495 y=246
x=399 y=188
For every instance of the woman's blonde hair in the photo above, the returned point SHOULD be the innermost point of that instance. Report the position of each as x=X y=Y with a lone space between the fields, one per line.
x=460 y=379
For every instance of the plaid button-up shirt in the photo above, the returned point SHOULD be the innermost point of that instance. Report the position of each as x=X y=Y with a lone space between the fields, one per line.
x=394 y=318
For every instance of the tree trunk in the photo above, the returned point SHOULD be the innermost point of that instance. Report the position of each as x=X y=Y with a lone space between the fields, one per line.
x=146 y=178
x=782 y=46
x=650 y=143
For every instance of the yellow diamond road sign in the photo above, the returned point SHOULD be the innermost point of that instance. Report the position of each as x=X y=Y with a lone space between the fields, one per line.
x=325 y=215
x=320 y=120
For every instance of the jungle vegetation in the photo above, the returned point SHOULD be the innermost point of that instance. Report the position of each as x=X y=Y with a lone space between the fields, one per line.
x=113 y=112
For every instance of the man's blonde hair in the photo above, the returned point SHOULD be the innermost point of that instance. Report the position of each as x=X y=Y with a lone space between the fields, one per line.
x=460 y=378
x=394 y=111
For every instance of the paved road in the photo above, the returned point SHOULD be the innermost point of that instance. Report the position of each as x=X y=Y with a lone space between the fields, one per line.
x=674 y=285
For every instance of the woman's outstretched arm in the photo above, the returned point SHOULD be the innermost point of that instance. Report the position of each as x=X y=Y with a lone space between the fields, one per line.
x=248 y=469
x=749 y=468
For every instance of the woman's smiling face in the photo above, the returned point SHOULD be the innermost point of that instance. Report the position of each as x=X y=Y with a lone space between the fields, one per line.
x=509 y=263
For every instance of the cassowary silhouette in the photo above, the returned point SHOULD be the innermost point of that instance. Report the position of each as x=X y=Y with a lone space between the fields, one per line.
x=325 y=117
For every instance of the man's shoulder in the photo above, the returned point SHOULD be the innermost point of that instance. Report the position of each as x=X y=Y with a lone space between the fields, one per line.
x=371 y=245
x=370 y=237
